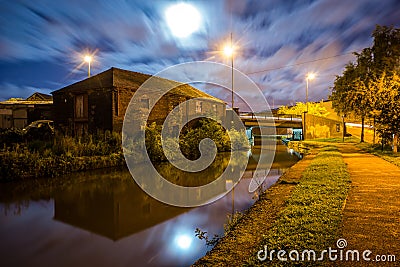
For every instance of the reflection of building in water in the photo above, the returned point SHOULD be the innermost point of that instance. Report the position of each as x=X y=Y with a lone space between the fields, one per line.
x=215 y=177
x=282 y=160
x=113 y=208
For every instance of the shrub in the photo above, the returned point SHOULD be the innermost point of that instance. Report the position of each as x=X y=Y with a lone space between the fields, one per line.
x=11 y=136
x=153 y=142
x=204 y=128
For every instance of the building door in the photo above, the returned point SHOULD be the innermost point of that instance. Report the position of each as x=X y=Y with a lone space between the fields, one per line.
x=81 y=114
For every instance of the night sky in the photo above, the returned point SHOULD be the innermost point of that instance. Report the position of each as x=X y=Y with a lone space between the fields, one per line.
x=42 y=42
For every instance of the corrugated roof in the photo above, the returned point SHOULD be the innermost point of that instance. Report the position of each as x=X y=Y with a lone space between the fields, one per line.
x=35 y=98
x=25 y=102
x=39 y=97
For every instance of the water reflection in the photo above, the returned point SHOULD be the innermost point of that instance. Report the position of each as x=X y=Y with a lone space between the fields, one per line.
x=103 y=218
x=123 y=208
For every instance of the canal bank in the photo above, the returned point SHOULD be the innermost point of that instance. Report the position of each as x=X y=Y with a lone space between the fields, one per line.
x=239 y=245
x=365 y=216
x=103 y=218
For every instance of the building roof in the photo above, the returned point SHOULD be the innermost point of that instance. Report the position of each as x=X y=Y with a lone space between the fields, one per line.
x=40 y=97
x=35 y=98
x=115 y=77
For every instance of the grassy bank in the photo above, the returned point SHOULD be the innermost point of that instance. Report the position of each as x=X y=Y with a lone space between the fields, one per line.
x=17 y=165
x=241 y=242
x=63 y=154
x=303 y=210
x=312 y=215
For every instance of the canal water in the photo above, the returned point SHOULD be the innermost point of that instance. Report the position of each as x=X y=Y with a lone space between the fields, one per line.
x=102 y=218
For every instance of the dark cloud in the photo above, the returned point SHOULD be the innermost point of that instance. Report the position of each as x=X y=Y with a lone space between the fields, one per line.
x=42 y=42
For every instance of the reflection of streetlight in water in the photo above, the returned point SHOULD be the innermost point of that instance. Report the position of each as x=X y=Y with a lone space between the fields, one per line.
x=228 y=186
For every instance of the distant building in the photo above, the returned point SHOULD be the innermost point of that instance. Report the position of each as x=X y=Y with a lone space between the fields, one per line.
x=18 y=113
x=100 y=102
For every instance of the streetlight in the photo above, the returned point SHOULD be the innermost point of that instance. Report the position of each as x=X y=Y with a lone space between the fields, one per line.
x=88 y=59
x=310 y=76
x=229 y=51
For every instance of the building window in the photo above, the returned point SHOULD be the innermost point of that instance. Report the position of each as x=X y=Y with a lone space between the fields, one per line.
x=116 y=103
x=175 y=104
x=145 y=103
x=199 y=107
x=81 y=106
x=214 y=106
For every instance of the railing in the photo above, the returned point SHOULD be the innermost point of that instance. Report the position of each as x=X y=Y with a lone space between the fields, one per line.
x=260 y=115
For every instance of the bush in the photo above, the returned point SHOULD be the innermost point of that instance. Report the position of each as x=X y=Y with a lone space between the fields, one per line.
x=61 y=155
x=11 y=136
x=153 y=142
x=204 y=128
x=190 y=138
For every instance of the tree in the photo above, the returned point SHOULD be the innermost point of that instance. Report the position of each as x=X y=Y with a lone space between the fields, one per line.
x=350 y=93
x=386 y=63
x=364 y=86
x=387 y=109
x=386 y=49
x=313 y=108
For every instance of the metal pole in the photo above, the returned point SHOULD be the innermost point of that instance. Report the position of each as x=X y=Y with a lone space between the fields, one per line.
x=307 y=94
x=343 y=129
x=304 y=117
x=233 y=103
x=89 y=69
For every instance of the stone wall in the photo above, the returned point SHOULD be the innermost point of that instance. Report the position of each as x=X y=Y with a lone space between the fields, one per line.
x=320 y=127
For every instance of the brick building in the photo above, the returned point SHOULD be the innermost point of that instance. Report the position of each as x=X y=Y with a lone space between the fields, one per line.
x=100 y=102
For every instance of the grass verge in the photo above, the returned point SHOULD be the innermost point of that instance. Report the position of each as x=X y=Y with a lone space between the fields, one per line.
x=312 y=215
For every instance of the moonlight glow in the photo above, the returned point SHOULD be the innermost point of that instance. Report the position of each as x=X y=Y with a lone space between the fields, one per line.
x=183 y=241
x=183 y=19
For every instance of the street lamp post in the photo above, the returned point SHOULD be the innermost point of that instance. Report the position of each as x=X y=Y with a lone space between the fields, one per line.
x=310 y=76
x=229 y=50
x=88 y=59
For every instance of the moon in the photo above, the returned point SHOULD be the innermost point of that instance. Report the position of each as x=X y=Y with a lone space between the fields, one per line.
x=183 y=19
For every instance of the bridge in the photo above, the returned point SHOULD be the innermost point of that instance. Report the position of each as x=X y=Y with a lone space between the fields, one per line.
x=286 y=125
x=250 y=119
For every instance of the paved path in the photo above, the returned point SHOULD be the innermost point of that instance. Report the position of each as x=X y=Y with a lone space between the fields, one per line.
x=371 y=217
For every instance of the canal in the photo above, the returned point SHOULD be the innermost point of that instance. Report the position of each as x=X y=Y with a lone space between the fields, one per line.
x=102 y=218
